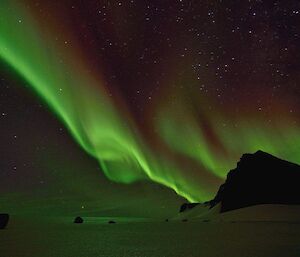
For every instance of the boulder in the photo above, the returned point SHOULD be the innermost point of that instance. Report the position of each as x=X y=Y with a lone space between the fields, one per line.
x=78 y=220
x=4 y=217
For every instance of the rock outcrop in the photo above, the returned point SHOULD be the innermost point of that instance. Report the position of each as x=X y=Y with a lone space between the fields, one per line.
x=78 y=220
x=259 y=178
x=187 y=206
x=4 y=217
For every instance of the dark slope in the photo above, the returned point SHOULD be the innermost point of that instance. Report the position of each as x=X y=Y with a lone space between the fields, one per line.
x=259 y=178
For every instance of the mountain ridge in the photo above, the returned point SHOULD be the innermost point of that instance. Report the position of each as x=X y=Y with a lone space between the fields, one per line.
x=259 y=178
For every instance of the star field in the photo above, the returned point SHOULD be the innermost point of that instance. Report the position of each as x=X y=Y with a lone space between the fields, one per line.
x=171 y=92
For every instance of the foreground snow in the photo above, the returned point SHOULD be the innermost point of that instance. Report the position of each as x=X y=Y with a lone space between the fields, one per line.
x=267 y=230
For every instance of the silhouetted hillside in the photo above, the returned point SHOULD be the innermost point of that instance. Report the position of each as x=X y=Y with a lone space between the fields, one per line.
x=259 y=178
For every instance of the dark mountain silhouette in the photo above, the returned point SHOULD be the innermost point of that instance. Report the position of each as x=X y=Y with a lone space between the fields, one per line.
x=259 y=178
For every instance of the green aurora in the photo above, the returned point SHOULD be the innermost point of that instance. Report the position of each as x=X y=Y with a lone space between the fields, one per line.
x=186 y=158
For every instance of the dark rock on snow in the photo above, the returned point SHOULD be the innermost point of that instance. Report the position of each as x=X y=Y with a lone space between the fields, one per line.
x=187 y=206
x=4 y=217
x=259 y=178
x=78 y=220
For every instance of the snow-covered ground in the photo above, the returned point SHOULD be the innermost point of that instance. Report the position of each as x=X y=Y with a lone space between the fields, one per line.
x=259 y=231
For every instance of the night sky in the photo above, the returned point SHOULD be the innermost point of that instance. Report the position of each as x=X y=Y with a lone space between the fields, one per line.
x=105 y=105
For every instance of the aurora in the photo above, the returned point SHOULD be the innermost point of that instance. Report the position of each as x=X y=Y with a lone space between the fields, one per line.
x=190 y=141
